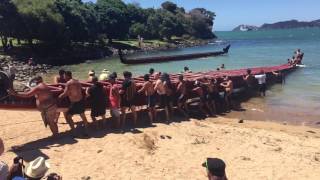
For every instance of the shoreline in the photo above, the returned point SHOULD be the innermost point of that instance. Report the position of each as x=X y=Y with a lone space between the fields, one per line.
x=149 y=153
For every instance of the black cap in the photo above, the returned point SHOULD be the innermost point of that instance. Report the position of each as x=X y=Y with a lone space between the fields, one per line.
x=215 y=166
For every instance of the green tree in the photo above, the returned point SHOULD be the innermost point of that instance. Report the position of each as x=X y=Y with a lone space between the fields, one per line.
x=169 y=6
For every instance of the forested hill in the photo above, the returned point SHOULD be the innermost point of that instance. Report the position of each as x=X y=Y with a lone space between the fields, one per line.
x=63 y=22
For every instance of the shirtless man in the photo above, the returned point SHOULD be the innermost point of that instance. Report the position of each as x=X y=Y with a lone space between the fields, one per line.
x=203 y=99
x=228 y=86
x=161 y=91
x=60 y=78
x=182 y=96
x=149 y=92
x=213 y=93
x=45 y=101
x=250 y=80
x=73 y=91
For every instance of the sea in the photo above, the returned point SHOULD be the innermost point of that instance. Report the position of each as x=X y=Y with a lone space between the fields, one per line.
x=297 y=101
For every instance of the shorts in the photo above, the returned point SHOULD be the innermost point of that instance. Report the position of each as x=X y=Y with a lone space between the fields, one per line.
x=215 y=97
x=151 y=100
x=164 y=100
x=76 y=108
x=262 y=87
x=115 y=112
x=182 y=99
x=203 y=98
x=127 y=103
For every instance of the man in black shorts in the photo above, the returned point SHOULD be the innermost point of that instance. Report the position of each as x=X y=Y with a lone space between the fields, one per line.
x=128 y=93
x=182 y=96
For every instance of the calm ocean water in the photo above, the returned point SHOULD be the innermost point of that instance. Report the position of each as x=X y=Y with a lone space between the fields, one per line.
x=298 y=101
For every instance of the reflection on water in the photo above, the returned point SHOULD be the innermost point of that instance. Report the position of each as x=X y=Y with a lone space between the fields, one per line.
x=297 y=101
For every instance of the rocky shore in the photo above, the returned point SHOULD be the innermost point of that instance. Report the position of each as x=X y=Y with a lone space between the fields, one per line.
x=25 y=72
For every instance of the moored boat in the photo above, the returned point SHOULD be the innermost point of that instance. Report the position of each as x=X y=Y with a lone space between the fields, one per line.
x=160 y=59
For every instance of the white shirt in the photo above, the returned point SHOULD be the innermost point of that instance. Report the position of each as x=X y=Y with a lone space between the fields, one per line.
x=261 y=78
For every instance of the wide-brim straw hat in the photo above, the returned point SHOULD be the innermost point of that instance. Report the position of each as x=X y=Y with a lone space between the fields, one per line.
x=105 y=71
x=37 y=168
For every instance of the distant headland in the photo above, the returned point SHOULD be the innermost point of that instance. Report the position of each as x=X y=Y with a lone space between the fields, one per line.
x=280 y=25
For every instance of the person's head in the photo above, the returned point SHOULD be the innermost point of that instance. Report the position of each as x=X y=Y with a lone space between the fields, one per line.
x=165 y=77
x=127 y=74
x=112 y=78
x=115 y=74
x=54 y=176
x=298 y=50
x=1 y=147
x=146 y=77
x=151 y=71
x=293 y=57
x=157 y=75
x=61 y=72
x=186 y=68
x=218 y=69
x=222 y=65
x=92 y=73
x=37 y=168
x=215 y=169
x=94 y=79
x=68 y=75
x=180 y=77
x=38 y=79
x=249 y=71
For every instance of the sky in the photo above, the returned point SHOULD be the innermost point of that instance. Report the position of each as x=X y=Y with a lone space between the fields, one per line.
x=231 y=13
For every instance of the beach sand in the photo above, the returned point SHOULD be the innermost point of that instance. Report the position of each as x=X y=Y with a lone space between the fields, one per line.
x=251 y=150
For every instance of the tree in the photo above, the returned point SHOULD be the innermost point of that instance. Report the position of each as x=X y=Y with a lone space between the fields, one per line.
x=112 y=18
x=40 y=19
x=201 y=23
x=169 y=6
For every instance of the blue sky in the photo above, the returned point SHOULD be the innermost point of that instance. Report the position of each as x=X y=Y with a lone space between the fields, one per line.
x=231 y=13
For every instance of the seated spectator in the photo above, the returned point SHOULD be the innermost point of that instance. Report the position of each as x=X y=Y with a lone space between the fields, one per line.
x=4 y=169
x=215 y=169
x=37 y=169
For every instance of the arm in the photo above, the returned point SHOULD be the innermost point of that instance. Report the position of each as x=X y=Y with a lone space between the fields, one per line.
x=142 y=89
x=65 y=92
x=28 y=94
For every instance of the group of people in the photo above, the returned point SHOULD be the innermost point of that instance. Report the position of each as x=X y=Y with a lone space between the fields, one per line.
x=296 y=58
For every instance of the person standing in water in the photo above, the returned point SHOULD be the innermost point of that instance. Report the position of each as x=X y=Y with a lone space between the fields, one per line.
x=45 y=101
x=73 y=91
x=148 y=90
x=262 y=78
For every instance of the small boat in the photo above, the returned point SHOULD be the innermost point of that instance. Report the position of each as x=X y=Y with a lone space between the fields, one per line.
x=160 y=59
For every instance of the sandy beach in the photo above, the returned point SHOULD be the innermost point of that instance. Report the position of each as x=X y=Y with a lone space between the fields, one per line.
x=251 y=150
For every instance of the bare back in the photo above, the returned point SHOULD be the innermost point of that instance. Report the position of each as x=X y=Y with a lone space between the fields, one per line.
x=74 y=90
x=149 y=89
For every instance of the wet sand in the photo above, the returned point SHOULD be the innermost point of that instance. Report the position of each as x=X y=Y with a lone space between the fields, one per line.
x=251 y=150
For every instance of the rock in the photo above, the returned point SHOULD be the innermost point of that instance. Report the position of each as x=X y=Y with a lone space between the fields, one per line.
x=241 y=121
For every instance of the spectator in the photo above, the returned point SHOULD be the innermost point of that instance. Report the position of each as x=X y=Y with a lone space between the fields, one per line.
x=4 y=169
x=215 y=169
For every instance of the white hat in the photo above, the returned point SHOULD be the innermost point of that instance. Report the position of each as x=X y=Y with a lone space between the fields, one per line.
x=105 y=71
x=37 y=168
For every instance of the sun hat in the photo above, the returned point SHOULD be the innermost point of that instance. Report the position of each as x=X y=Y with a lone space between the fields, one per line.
x=105 y=71
x=37 y=168
x=215 y=166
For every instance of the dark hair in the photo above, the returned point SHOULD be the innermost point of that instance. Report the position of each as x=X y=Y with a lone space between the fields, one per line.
x=180 y=77
x=62 y=72
x=68 y=73
x=94 y=79
x=38 y=79
x=127 y=74
x=114 y=74
x=146 y=77
x=249 y=71
x=151 y=71
x=186 y=68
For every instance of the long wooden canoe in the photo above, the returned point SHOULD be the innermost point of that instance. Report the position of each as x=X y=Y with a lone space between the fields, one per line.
x=12 y=102
x=160 y=59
